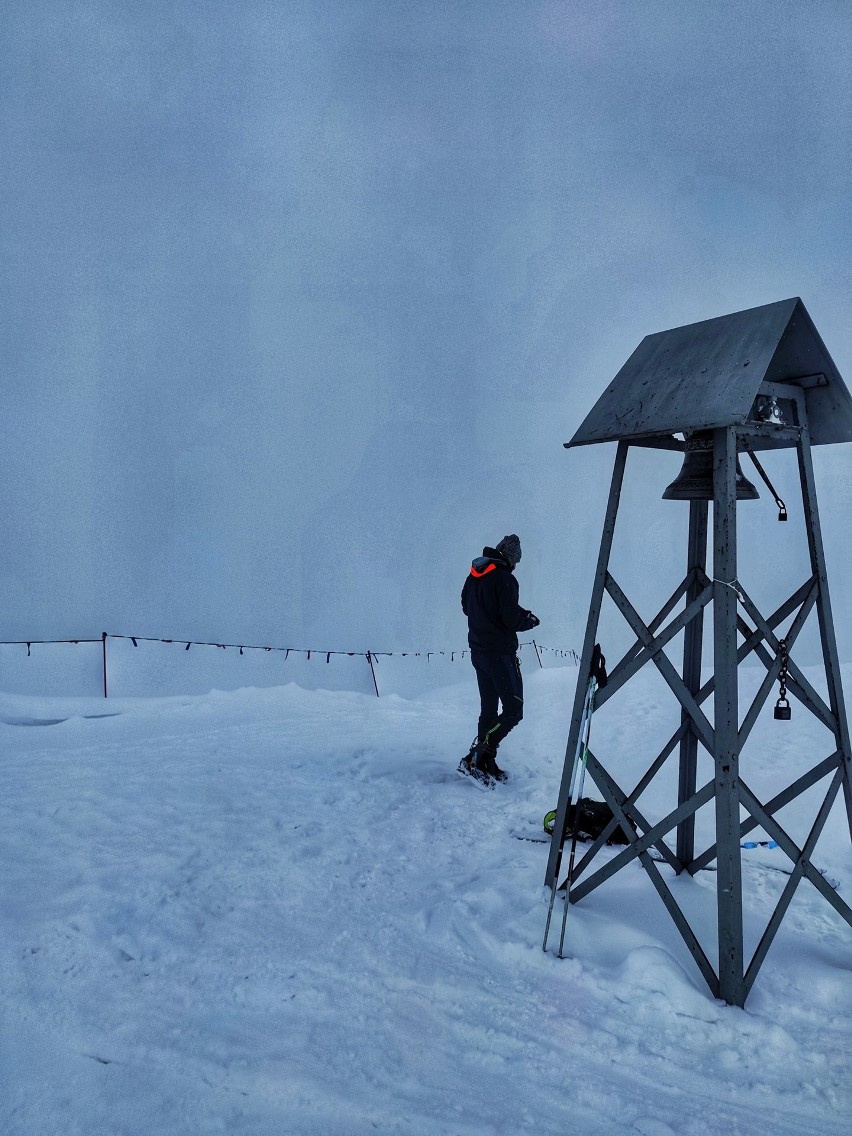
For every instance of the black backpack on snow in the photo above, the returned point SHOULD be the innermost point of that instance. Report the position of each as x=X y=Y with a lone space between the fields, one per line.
x=592 y=818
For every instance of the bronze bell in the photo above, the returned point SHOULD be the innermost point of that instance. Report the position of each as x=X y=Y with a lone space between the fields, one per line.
x=695 y=480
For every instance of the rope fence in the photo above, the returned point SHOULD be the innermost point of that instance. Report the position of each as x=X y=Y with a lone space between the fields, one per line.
x=372 y=657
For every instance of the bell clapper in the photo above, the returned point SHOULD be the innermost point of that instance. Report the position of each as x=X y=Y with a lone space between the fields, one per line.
x=782 y=508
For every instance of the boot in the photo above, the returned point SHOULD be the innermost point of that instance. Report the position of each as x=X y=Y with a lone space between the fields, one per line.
x=467 y=760
x=485 y=759
x=472 y=766
x=489 y=758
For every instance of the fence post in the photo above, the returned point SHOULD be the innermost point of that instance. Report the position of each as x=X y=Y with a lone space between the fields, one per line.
x=373 y=671
x=103 y=641
x=537 y=655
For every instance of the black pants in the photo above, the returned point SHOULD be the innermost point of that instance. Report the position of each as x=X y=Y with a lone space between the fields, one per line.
x=500 y=682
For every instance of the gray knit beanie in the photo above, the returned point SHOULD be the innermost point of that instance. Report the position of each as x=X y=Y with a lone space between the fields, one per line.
x=510 y=548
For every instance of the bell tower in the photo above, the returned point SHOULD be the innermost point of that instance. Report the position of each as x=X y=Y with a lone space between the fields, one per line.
x=754 y=380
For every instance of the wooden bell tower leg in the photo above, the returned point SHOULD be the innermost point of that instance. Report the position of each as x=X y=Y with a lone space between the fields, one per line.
x=826 y=623
x=585 y=661
x=692 y=645
x=729 y=896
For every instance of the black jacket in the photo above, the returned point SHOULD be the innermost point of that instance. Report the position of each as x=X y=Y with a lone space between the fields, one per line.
x=489 y=599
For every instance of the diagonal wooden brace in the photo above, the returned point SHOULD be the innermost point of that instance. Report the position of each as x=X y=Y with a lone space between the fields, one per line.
x=653 y=836
x=653 y=647
x=614 y=796
x=653 y=626
x=634 y=796
x=799 y=786
x=801 y=690
x=772 y=640
x=702 y=726
x=639 y=848
x=772 y=674
x=767 y=821
x=795 y=879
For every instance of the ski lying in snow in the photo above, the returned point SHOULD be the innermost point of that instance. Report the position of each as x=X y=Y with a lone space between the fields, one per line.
x=830 y=880
x=534 y=838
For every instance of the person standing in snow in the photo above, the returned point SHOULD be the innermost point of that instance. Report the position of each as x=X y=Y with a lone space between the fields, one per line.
x=489 y=599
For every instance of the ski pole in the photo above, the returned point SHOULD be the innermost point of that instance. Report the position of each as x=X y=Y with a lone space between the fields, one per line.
x=584 y=718
x=582 y=777
x=597 y=677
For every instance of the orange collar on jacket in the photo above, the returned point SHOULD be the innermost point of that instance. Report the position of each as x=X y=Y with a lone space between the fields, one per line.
x=484 y=572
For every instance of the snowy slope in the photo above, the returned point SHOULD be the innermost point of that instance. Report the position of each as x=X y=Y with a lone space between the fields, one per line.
x=280 y=911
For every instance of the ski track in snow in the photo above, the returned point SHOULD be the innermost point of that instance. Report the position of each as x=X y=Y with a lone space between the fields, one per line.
x=280 y=911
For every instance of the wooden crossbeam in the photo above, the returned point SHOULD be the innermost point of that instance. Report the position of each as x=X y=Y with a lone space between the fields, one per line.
x=639 y=848
x=797 y=684
x=793 y=790
x=657 y=642
x=803 y=693
x=774 y=643
x=635 y=819
x=646 y=779
x=615 y=678
x=652 y=835
x=753 y=639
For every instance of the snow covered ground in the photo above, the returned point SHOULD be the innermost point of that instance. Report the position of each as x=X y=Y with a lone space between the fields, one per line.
x=279 y=911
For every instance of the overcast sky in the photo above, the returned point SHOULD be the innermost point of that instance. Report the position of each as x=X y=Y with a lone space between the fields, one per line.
x=300 y=300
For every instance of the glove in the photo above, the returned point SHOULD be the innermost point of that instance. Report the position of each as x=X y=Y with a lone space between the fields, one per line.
x=534 y=619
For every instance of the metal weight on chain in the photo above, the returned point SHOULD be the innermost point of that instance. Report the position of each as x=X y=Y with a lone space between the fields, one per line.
x=783 y=712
